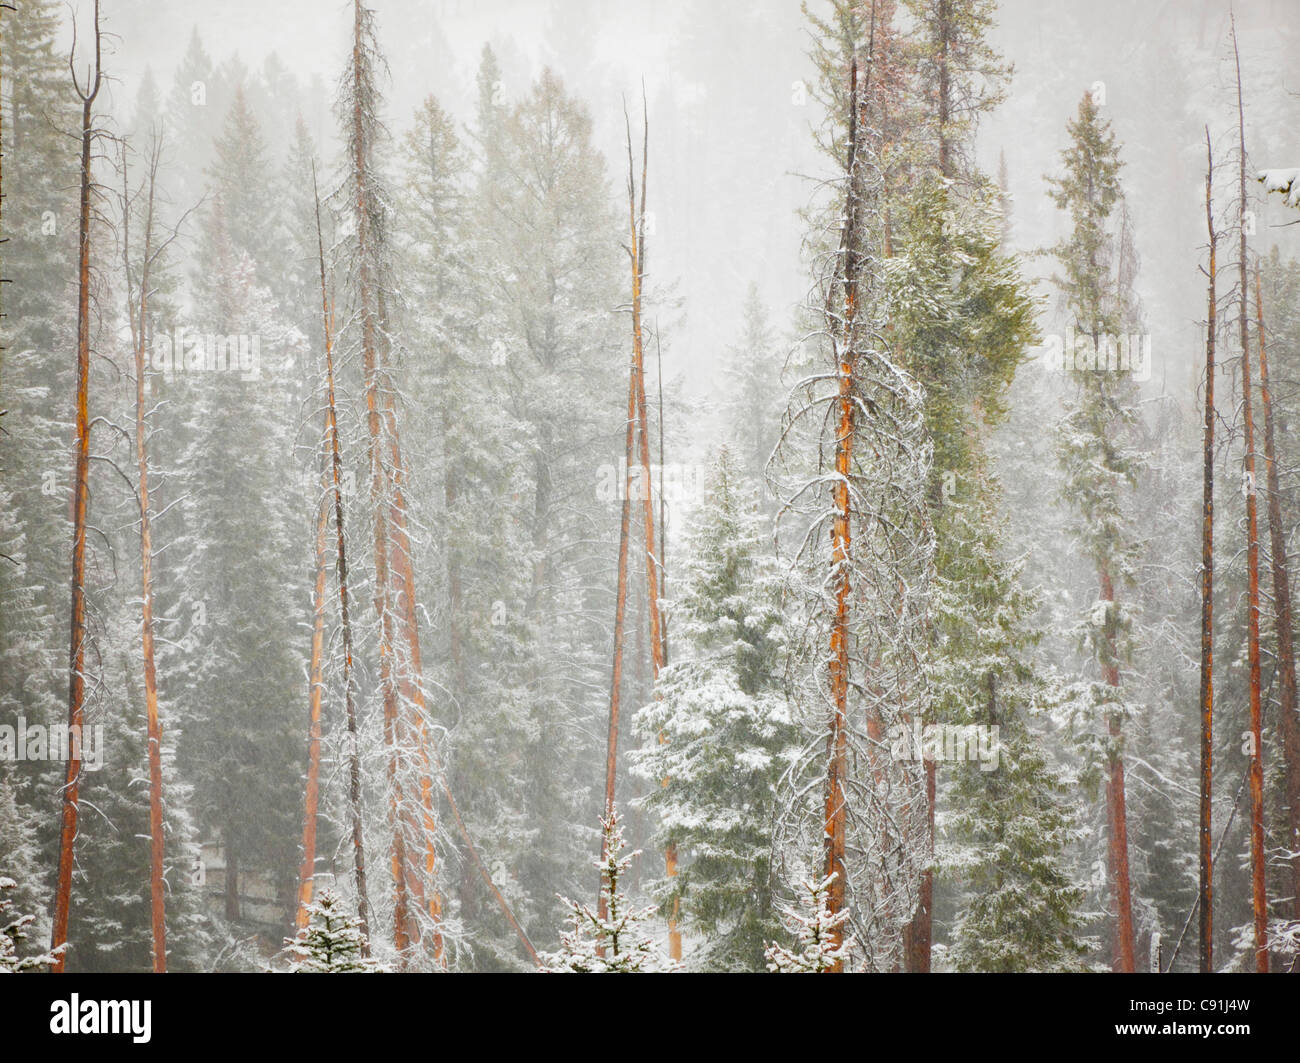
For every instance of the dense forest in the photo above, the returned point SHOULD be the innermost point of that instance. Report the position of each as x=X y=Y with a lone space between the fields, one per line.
x=732 y=487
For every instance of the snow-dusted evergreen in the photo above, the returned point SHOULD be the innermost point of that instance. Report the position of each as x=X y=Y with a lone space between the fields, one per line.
x=332 y=942
x=620 y=942
x=720 y=733
x=816 y=950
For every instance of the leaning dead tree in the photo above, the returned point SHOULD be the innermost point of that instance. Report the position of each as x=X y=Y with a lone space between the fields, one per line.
x=334 y=451
x=80 y=499
x=316 y=667
x=863 y=548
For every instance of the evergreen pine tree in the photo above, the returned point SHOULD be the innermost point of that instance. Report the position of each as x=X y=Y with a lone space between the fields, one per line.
x=819 y=949
x=1098 y=459
x=720 y=730
x=617 y=943
x=331 y=943
x=14 y=929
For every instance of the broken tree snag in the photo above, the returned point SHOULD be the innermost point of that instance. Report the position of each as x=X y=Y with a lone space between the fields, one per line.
x=620 y=614
x=1259 y=900
x=80 y=501
x=1288 y=722
x=1205 y=892
x=637 y=254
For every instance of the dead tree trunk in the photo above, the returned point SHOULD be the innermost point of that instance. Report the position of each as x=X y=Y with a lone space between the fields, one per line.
x=138 y=317
x=401 y=681
x=841 y=531
x=1259 y=899
x=316 y=681
x=1288 y=722
x=637 y=253
x=80 y=501
x=1205 y=839
x=620 y=615
x=378 y=396
x=345 y=618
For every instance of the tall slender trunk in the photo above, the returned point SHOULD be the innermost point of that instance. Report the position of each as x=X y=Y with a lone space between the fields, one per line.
x=1259 y=899
x=1288 y=722
x=620 y=615
x=153 y=726
x=1205 y=892
x=1122 y=959
x=835 y=824
x=663 y=498
x=637 y=251
x=341 y=569
x=1259 y=902
x=382 y=501
x=81 y=498
x=316 y=681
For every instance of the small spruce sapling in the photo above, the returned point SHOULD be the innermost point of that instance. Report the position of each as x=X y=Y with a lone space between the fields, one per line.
x=817 y=951
x=331 y=942
x=617 y=943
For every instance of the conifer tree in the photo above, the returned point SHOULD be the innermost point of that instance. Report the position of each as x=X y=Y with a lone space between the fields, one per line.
x=1011 y=823
x=822 y=946
x=615 y=942
x=727 y=732
x=1096 y=455
x=855 y=461
x=752 y=395
x=331 y=942
x=15 y=928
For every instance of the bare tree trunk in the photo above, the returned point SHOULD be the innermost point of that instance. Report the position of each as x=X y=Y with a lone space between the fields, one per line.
x=1259 y=899
x=620 y=615
x=341 y=568
x=81 y=495
x=637 y=252
x=1205 y=839
x=311 y=794
x=1289 y=723
x=663 y=498
x=140 y=333
x=382 y=503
